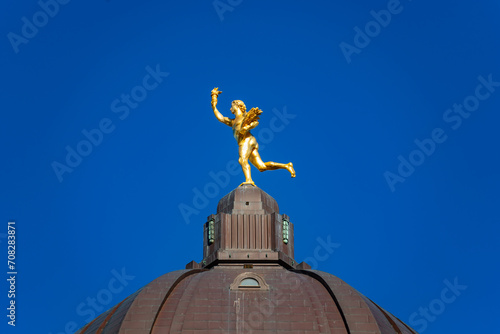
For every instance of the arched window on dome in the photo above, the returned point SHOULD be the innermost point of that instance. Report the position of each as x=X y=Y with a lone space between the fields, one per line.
x=249 y=281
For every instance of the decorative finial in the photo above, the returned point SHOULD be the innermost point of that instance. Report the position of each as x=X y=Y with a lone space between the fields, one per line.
x=248 y=148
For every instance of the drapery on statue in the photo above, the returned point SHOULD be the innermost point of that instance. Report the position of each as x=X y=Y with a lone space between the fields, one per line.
x=249 y=149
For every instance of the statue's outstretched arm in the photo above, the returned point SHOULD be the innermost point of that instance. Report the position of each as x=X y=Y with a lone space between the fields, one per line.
x=218 y=115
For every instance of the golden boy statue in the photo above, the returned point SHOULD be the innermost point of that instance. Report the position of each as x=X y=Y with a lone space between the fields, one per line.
x=248 y=148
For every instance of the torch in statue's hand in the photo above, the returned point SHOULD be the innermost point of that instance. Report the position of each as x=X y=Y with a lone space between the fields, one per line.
x=216 y=91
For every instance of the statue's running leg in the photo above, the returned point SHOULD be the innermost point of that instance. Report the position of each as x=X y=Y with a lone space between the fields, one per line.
x=245 y=151
x=256 y=160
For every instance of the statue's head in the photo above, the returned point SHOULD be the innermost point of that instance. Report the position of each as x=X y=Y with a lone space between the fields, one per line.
x=239 y=104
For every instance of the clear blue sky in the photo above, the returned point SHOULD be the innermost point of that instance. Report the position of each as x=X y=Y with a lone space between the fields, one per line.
x=388 y=110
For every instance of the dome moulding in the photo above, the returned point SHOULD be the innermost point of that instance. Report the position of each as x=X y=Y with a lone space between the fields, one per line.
x=247 y=282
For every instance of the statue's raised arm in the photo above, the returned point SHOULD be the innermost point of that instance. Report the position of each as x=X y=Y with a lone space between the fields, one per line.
x=248 y=148
x=218 y=115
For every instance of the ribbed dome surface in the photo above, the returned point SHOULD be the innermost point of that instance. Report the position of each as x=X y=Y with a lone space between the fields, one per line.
x=201 y=301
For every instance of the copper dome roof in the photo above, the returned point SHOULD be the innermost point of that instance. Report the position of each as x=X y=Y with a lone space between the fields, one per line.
x=247 y=282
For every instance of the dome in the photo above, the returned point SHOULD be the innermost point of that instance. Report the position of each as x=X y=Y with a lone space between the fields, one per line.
x=202 y=301
x=247 y=282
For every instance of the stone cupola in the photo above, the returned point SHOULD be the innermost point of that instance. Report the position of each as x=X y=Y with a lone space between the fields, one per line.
x=248 y=228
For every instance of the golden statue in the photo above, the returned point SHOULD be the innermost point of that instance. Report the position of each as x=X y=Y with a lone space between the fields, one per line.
x=248 y=148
